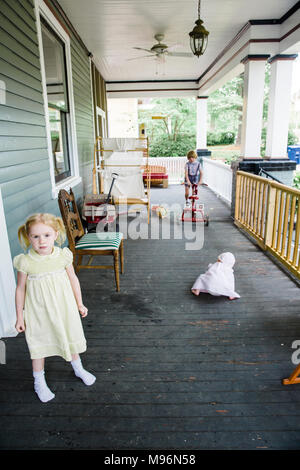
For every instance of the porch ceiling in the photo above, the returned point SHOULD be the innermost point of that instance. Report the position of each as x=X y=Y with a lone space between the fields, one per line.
x=111 y=29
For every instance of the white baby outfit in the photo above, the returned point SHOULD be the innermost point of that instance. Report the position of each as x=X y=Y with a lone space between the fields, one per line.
x=219 y=278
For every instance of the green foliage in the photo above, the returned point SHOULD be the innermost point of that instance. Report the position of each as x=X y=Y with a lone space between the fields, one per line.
x=231 y=158
x=220 y=138
x=266 y=94
x=175 y=134
x=292 y=140
x=296 y=180
x=225 y=106
x=179 y=117
x=263 y=141
x=163 y=146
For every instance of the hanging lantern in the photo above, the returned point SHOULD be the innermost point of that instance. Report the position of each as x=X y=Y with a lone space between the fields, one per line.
x=199 y=36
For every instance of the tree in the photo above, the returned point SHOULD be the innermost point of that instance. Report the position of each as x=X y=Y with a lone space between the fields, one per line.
x=179 y=117
x=175 y=133
x=225 y=106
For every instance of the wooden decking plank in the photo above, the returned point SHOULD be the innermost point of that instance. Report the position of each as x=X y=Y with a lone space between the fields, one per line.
x=119 y=403
x=211 y=440
x=145 y=410
x=222 y=420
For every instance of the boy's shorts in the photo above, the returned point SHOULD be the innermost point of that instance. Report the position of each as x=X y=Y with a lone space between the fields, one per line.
x=194 y=179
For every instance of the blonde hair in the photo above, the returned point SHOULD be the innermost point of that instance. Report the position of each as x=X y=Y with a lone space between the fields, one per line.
x=48 y=219
x=191 y=154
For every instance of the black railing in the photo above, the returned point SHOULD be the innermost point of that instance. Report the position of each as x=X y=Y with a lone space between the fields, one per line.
x=268 y=175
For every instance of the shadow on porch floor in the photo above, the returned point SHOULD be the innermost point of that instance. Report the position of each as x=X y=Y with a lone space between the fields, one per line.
x=173 y=371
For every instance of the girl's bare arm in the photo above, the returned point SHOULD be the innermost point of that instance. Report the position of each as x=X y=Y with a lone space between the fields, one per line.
x=19 y=300
x=76 y=290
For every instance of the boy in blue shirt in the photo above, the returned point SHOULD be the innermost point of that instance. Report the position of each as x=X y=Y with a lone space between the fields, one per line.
x=193 y=174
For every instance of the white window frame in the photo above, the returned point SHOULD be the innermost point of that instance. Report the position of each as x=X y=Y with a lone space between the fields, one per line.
x=75 y=178
x=101 y=113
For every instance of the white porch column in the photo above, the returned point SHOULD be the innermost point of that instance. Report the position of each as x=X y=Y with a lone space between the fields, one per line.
x=279 y=105
x=254 y=80
x=201 y=122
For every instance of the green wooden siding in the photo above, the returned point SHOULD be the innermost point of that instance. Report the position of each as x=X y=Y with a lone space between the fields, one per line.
x=24 y=162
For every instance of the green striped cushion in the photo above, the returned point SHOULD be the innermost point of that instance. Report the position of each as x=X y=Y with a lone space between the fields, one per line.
x=100 y=241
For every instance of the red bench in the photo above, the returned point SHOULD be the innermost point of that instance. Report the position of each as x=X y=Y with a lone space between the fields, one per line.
x=158 y=175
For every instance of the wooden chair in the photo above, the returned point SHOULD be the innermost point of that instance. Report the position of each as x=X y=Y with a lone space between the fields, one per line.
x=89 y=244
x=293 y=378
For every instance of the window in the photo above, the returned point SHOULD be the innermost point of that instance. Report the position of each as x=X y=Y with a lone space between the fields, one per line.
x=57 y=97
x=56 y=70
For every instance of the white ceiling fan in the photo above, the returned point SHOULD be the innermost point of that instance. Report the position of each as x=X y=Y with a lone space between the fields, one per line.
x=160 y=50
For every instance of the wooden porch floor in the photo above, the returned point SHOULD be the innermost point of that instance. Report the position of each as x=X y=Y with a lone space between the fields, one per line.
x=173 y=371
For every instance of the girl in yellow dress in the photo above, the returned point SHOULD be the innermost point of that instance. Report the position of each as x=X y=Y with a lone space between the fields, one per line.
x=48 y=300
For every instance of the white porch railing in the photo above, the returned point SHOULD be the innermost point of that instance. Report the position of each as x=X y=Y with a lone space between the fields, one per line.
x=174 y=167
x=218 y=176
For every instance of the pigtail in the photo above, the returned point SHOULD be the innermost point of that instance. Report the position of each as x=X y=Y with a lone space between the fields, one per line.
x=60 y=228
x=23 y=237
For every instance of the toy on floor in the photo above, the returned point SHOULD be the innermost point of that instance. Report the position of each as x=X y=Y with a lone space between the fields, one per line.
x=160 y=211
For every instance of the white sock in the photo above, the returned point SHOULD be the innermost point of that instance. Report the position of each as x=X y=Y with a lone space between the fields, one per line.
x=83 y=374
x=41 y=388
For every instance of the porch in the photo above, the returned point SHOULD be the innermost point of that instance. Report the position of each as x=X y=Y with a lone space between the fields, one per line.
x=173 y=371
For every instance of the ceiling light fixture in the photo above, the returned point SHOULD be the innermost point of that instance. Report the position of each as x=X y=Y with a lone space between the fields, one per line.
x=199 y=36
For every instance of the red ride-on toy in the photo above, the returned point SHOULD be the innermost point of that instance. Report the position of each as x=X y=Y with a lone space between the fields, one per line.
x=195 y=213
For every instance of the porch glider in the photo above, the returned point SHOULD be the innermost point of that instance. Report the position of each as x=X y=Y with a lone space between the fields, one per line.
x=128 y=157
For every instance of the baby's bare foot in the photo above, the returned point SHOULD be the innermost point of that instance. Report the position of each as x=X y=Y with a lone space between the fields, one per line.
x=196 y=291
